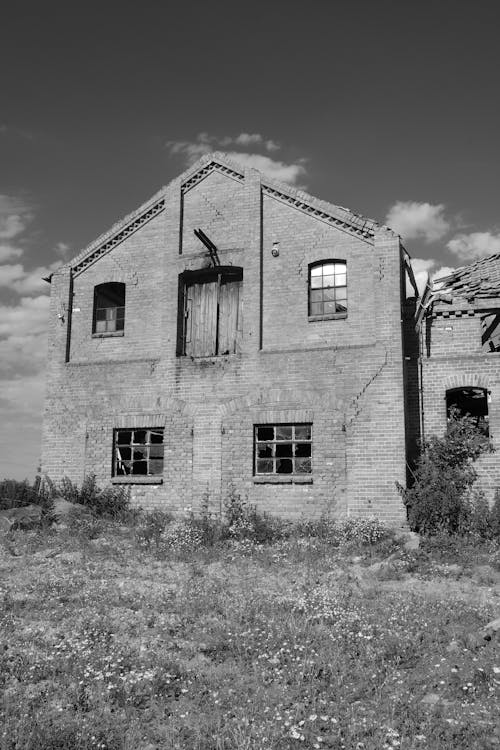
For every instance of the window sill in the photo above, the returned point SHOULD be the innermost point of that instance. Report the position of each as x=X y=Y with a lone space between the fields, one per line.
x=108 y=334
x=283 y=479
x=137 y=479
x=331 y=316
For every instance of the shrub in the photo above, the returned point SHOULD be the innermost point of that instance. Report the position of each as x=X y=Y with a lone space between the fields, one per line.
x=151 y=527
x=440 y=498
x=18 y=494
x=112 y=502
x=244 y=521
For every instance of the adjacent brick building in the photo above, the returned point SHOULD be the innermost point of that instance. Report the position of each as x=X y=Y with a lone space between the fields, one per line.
x=459 y=321
x=236 y=333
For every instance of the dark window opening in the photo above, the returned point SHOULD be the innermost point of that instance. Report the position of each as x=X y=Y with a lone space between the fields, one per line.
x=109 y=308
x=490 y=331
x=283 y=449
x=211 y=304
x=471 y=402
x=138 y=452
x=328 y=288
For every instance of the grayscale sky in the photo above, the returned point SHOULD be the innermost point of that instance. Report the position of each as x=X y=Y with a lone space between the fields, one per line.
x=389 y=108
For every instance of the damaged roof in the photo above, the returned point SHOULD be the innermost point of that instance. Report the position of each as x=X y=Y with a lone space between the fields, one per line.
x=479 y=279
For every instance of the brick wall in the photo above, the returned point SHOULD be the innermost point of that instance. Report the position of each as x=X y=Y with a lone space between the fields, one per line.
x=344 y=376
x=452 y=358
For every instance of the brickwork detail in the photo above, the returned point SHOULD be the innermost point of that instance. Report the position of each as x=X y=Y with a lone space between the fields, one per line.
x=345 y=377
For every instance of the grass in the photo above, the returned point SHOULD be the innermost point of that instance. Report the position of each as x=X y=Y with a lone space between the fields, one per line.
x=112 y=639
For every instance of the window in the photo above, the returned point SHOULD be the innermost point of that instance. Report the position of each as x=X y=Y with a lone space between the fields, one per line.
x=283 y=449
x=472 y=402
x=109 y=309
x=138 y=452
x=210 y=311
x=328 y=289
x=490 y=331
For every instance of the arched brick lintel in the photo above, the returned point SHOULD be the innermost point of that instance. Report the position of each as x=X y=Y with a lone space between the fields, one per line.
x=283 y=398
x=469 y=379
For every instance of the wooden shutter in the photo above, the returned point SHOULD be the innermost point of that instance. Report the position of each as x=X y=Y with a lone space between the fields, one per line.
x=229 y=317
x=201 y=319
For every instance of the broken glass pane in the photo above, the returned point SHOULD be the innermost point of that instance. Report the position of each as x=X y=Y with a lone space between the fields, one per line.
x=265 y=433
x=264 y=450
x=140 y=467
x=284 y=466
x=284 y=449
x=303 y=432
x=139 y=454
x=283 y=432
x=140 y=436
x=124 y=437
x=157 y=436
x=303 y=449
x=264 y=466
x=302 y=465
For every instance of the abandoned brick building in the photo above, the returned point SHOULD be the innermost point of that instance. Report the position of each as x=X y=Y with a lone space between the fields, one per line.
x=234 y=333
x=459 y=322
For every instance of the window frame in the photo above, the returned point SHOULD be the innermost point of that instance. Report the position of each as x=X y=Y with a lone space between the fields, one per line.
x=99 y=290
x=214 y=274
x=146 y=445
x=482 y=420
x=275 y=476
x=337 y=315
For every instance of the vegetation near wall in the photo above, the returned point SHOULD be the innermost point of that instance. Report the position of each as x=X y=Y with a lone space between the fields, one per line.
x=443 y=497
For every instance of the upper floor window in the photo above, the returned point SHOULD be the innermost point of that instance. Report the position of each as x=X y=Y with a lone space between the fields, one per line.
x=490 y=331
x=328 y=289
x=210 y=316
x=109 y=309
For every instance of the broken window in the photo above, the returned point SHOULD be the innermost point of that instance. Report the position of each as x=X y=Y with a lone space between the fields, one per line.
x=109 y=309
x=471 y=402
x=138 y=452
x=283 y=449
x=490 y=331
x=328 y=288
x=210 y=301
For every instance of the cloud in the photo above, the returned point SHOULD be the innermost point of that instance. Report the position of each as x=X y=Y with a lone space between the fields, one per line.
x=16 y=278
x=276 y=170
x=8 y=252
x=273 y=168
x=15 y=215
x=414 y=220
x=470 y=247
x=429 y=266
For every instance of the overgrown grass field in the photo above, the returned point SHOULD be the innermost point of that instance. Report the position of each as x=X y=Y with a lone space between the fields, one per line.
x=144 y=636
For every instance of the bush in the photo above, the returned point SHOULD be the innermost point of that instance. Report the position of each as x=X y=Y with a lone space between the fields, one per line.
x=441 y=497
x=19 y=494
x=112 y=502
x=244 y=521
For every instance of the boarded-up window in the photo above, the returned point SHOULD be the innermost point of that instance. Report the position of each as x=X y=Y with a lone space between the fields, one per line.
x=212 y=321
x=138 y=452
x=490 y=331
x=109 y=309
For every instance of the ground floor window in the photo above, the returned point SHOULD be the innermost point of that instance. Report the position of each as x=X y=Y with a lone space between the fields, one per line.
x=138 y=452
x=283 y=449
x=472 y=402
